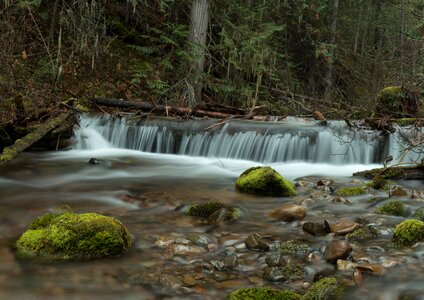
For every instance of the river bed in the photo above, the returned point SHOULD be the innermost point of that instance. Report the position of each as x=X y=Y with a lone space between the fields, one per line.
x=146 y=192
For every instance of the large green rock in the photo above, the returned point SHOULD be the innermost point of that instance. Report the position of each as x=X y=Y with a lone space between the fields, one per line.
x=264 y=181
x=409 y=232
x=70 y=236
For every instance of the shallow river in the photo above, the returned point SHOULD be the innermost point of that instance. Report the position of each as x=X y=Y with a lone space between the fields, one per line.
x=146 y=191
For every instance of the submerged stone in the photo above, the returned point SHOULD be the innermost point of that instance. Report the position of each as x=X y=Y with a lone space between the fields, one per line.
x=288 y=212
x=409 y=232
x=363 y=233
x=286 y=273
x=262 y=293
x=316 y=229
x=264 y=181
x=72 y=236
x=293 y=248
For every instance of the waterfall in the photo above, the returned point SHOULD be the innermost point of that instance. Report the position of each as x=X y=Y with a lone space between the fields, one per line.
x=271 y=142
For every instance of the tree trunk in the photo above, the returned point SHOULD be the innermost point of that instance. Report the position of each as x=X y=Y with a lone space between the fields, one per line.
x=329 y=73
x=199 y=19
x=55 y=17
x=358 y=28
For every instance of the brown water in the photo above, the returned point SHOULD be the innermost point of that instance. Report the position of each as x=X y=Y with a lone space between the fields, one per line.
x=144 y=191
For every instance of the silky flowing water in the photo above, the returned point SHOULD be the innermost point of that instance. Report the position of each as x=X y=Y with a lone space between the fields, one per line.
x=145 y=185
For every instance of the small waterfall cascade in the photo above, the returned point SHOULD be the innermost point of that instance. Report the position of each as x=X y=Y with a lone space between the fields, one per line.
x=293 y=140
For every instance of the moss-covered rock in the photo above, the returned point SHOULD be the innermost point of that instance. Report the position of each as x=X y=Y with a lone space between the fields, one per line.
x=419 y=214
x=204 y=210
x=264 y=181
x=379 y=183
x=262 y=293
x=350 y=191
x=397 y=101
x=393 y=208
x=327 y=288
x=363 y=233
x=292 y=247
x=72 y=236
x=409 y=232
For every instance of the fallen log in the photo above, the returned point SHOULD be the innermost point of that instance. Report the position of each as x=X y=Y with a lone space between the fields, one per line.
x=11 y=152
x=395 y=173
x=179 y=111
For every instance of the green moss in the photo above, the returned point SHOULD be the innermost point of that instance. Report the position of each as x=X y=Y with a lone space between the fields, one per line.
x=409 y=232
x=375 y=200
x=292 y=247
x=262 y=293
x=327 y=288
x=204 y=210
x=393 y=208
x=379 y=183
x=264 y=181
x=73 y=236
x=350 y=191
x=406 y=121
x=8 y=154
x=293 y=272
x=363 y=233
x=388 y=173
x=419 y=214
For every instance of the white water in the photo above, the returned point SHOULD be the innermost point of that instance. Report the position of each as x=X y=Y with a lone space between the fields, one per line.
x=253 y=141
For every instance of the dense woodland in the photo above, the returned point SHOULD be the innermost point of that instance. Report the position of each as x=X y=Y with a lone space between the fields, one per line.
x=286 y=56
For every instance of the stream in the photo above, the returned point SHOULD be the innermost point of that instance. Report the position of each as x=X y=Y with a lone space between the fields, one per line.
x=149 y=169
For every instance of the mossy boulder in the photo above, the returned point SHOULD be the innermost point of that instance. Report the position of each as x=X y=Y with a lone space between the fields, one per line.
x=393 y=208
x=204 y=210
x=350 y=191
x=419 y=214
x=409 y=232
x=398 y=102
x=379 y=183
x=262 y=293
x=327 y=288
x=71 y=236
x=264 y=181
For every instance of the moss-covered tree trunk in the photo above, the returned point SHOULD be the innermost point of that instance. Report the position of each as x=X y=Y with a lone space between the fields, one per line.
x=199 y=19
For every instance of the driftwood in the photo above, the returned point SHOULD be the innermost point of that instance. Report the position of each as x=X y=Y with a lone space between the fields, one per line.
x=11 y=152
